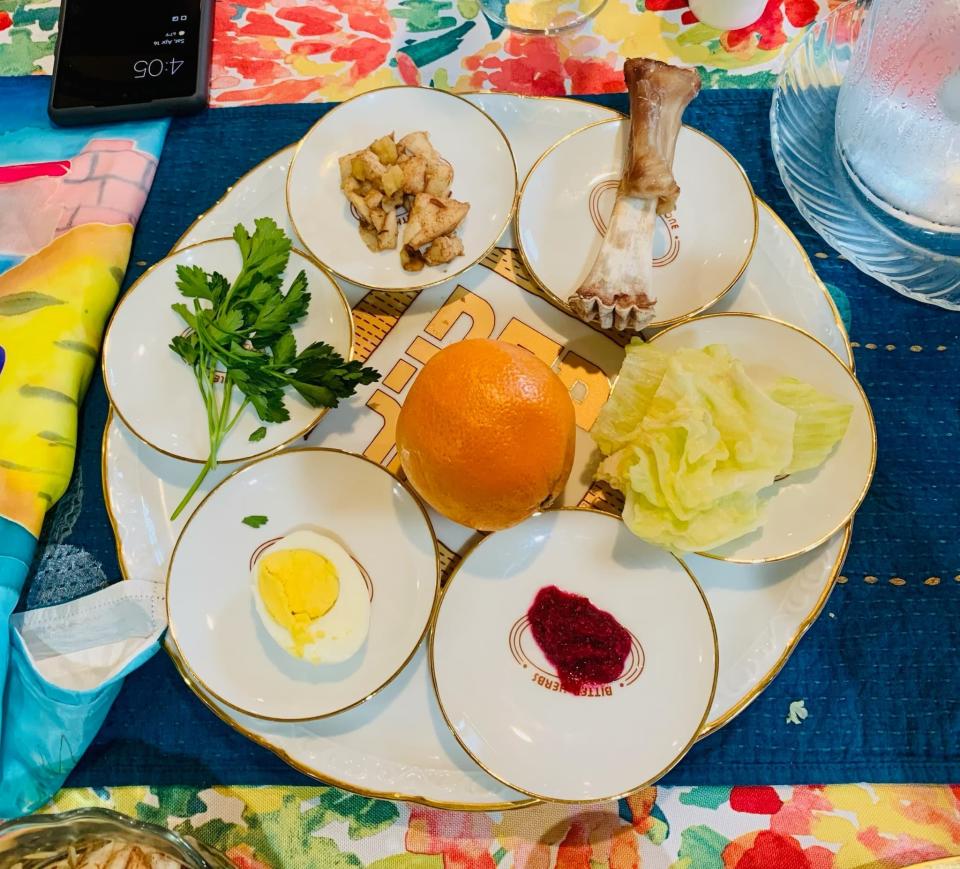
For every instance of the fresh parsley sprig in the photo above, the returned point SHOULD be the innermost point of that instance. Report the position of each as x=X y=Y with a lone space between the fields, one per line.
x=241 y=333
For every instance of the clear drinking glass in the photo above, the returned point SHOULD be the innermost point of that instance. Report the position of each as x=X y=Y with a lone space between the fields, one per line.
x=540 y=16
x=898 y=112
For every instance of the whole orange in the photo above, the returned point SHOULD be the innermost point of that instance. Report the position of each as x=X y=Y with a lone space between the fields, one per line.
x=486 y=435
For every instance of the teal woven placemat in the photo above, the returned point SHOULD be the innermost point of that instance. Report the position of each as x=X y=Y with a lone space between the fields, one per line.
x=877 y=673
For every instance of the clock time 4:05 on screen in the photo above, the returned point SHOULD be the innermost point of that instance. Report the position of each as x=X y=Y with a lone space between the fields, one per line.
x=156 y=66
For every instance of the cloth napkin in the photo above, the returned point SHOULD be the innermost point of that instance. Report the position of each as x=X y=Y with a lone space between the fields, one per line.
x=69 y=200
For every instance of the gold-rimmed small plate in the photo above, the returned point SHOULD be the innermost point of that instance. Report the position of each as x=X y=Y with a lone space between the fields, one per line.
x=154 y=391
x=700 y=250
x=805 y=509
x=494 y=657
x=485 y=176
x=215 y=619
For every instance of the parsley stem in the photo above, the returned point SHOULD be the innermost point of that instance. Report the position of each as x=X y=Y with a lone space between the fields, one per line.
x=225 y=399
x=236 y=416
x=205 y=371
x=208 y=466
x=219 y=424
x=199 y=371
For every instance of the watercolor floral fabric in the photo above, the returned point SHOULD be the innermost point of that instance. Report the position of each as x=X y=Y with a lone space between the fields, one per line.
x=833 y=827
x=287 y=51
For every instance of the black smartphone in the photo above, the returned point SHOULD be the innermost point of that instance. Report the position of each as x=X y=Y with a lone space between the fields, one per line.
x=120 y=61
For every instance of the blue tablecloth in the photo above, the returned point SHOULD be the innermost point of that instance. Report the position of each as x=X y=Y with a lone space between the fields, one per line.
x=878 y=672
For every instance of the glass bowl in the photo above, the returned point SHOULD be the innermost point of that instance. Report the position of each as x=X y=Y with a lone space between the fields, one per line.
x=52 y=835
x=921 y=264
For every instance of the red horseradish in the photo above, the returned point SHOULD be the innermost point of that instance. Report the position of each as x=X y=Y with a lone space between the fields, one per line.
x=586 y=645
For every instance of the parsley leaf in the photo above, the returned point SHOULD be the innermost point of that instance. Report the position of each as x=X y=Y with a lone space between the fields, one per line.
x=186 y=348
x=185 y=314
x=192 y=282
x=280 y=311
x=254 y=521
x=266 y=252
x=241 y=332
x=323 y=377
x=284 y=349
x=219 y=286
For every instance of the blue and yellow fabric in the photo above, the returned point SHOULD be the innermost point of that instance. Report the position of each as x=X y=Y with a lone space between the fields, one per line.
x=69 y=201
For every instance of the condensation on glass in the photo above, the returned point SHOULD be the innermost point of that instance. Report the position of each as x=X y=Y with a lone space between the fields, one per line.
x=898 y=112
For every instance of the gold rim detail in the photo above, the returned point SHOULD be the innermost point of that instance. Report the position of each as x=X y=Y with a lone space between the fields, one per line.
x=299 y=434
x=873 y=437
x=450 y=275
x=195 y=678
x=469 y=551
x=657 y=324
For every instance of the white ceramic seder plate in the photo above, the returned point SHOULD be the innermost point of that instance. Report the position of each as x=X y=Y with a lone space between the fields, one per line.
x=501 y=694
x=396 y=744
x=213 y=621
x=260 y=192
x=761 y=612
x=150 y=385
x=807 y=508
x=484 y=176
x=700 y=249
x=533 y=124
x=781 y=283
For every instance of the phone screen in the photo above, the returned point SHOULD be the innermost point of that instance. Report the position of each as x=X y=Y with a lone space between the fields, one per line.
x=114 y=53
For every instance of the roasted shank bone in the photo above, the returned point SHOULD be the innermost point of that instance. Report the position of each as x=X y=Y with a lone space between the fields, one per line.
x=618 y=291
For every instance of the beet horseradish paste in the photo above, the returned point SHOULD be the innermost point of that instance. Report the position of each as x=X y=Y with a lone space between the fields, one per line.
x=586 y=645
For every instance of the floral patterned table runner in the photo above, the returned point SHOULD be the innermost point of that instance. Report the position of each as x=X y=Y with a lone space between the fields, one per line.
x=286 y=51
x=833 y=827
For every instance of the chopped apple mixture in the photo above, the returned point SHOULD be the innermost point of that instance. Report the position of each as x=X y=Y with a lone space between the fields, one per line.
x=410 y=173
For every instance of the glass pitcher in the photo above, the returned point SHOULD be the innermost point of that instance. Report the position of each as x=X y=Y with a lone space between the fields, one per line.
x=898 y=112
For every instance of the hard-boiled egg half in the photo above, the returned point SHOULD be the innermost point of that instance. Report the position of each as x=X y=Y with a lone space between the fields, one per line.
x=312 y=598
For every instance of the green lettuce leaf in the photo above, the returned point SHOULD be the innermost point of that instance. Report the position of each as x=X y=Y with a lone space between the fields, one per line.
x=821 y=422
x=640 y=375
x=707 y=442
x=728 y=519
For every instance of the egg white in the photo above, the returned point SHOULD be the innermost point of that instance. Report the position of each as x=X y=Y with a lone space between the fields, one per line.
x=341 y=631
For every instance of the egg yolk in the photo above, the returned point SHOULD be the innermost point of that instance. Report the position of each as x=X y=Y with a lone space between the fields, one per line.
x=297 y=586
